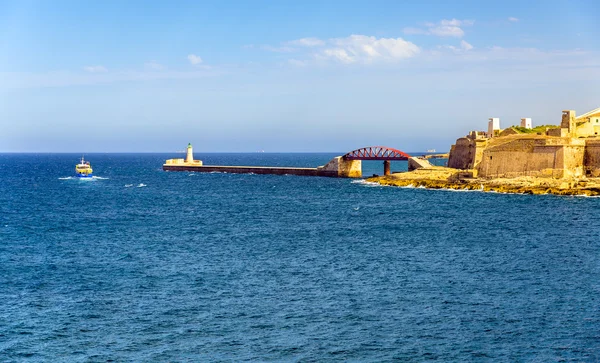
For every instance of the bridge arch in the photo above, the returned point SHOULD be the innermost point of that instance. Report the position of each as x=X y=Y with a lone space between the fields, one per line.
x=384 y=153
x=376 y=153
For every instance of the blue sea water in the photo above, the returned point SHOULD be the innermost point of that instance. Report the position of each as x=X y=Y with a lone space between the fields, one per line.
x=139 y=264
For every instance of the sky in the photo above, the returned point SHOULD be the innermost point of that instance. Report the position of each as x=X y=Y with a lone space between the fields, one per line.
x=287 y=76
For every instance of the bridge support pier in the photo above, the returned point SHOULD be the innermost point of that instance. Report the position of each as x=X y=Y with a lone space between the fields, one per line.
x=341 y=168
x=387 y=167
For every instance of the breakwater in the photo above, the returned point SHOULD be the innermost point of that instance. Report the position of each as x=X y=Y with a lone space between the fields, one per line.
x=252 y=170
x=338 y=167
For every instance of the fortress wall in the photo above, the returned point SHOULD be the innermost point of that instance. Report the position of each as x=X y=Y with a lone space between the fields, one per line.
x=573 y=159
x=517 y=163
x=466 y=153
x=461 y=154
x=480 y=146
x=534 y=157
x=591 y=160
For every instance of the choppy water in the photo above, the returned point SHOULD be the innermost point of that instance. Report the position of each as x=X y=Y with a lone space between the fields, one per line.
x=145 y=265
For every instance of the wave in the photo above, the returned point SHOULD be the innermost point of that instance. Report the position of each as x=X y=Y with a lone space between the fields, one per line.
x=140 y=185
x=99 y=178
x=366 y=183
x=66 y=178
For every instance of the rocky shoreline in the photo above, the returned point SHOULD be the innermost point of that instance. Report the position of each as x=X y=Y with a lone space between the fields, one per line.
x=448 y=178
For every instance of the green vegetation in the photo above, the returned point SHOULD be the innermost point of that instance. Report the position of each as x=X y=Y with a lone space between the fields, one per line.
x=535 y=130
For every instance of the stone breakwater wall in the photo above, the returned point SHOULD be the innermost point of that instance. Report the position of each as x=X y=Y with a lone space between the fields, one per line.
x=337 y=168
x=247 y=170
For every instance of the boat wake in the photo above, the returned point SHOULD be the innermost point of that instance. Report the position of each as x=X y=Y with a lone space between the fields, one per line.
x=82 y=179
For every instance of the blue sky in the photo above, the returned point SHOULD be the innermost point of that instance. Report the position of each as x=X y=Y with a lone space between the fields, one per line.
x=287 y=76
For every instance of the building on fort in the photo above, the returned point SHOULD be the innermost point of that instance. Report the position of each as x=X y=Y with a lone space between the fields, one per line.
x=570 y=150
x=493 y=127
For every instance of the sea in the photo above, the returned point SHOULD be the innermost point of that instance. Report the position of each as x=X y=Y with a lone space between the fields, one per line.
x=142 y=265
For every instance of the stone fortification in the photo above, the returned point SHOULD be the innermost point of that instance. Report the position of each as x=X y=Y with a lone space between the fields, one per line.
x=562 y=160
x=467 y=152
x=591 y=158
x=571 y=150
x=521 y=155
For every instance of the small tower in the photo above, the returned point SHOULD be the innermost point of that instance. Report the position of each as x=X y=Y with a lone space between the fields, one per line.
x=568 y=121
x=190 y=154
x=493 y=125
x=526 y=123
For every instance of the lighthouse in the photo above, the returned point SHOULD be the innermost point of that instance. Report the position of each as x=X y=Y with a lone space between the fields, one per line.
x=189 y=159
x=190 y=154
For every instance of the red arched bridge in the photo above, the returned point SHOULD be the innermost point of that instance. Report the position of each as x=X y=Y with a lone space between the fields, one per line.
x=387 y=154
x=376 y=153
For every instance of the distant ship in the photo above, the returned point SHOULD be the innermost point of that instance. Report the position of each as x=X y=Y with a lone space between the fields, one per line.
x=83 y=169
x=431 y=150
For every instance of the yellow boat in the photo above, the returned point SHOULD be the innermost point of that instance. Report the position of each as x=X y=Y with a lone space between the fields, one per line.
x=83 y=169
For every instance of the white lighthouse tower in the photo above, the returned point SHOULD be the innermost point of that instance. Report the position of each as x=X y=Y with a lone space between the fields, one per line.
x=190 y=154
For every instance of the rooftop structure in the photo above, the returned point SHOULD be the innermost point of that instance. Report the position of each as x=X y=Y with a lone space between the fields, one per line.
x=526 y=123
x=493 y=126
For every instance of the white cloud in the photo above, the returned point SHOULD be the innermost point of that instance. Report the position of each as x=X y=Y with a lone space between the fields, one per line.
x=194 y=59
x=465 y=46
x=450 y=28
x=462 y=49
x=513 y=19
x=445 y=28
x=368 y=49
x=154 y=65
x=95 y=69
x=307 y=42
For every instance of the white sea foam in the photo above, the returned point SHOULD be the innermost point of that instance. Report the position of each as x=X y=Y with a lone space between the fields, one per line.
x=128 y=185
x=141 y=185
x=366 y=183
x=99 y=178
x=66 y=178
